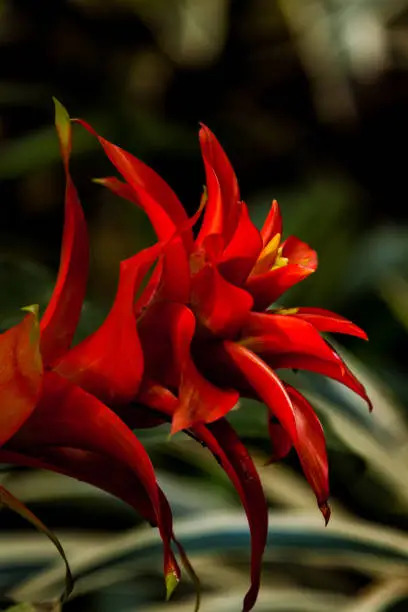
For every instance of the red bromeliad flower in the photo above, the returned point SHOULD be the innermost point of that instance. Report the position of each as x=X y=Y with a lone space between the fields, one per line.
x=58 y=403
x=210 y=334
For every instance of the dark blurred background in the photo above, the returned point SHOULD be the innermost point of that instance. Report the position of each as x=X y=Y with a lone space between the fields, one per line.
x=310 y=100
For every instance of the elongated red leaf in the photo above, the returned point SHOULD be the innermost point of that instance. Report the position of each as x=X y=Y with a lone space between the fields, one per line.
x=69 y=416
x=234 y=458
x=273 y=224
x=239 y=257
x=311 y=449
x=109 y=362
x=220 y=306
x=273 y=333
x=20 y=374
x=327 y=321
x=266 y=384
x=223 y=196
x=61 y=316
x=280 y=440
x=146 y=183
x=336 y=370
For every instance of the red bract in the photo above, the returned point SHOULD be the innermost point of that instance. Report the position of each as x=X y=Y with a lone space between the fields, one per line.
x=210 y=332
x=58 y=402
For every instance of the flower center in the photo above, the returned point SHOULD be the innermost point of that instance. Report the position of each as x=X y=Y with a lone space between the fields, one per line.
x=270 y=257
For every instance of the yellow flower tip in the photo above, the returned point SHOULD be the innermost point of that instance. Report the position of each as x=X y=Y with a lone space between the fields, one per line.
x=34 y=309
x=99 y=181
x=63 y=125
x=171 y=584
x=287 y=311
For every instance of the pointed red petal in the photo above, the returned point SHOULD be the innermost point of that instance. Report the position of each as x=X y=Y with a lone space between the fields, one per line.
x=267 y=385
x=311 y=449
x=234 y=458
x=148 y=186
x=223 y=193
x=61 y=317
x=69 y=416
x=336 y=370
x=281 y=442
x=327 y=321
x=276 y=333
x=109 y=363
x=175 y=274
x=273 y=224
x=243 y=250
x=20 y=375
x=222 y=307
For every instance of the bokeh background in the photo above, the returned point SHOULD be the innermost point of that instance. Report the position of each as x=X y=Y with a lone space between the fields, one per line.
x=310 y=100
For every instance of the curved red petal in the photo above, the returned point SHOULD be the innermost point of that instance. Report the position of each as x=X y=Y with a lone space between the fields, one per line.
x=332 y=369
x=245 y=245
x=109 y=362
x=213 y=220
x=299 y=253
x=269 y=287
x=234 y=458
x=148 y=186
x=20 y=375
x=311 y=448
x=223 y=195
x=61 y=316
x=220 y=306
x=266 y=384
x=273 y=224
x=280 y=440
x=69 y=416
x=174 y=280
x=273 y=333
x=327 y=321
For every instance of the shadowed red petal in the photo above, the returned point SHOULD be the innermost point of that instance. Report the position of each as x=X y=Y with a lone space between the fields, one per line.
x=234 y=458
x=225 y=445
x=69 y=416
x=336 y=370
x=280 y=440
x=61 y=316
x=20 y=375
x=220 y=306
x=267 y=288
x=109 y=362
x=273 y=224
x=174 y=279
x=275 y=333
x=311 y=449
x=243 y=250
x=327 y=321
x=267 y=385
x=151 y=190
x=223 y=195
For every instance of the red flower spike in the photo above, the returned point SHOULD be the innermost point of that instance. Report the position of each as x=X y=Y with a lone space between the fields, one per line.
x=279 y=334
x=243 y=249
x=311 y=449
x=61 y=316
x=147 y=185
x=83 y=422
x=217 y=163
x=335 y=370
x=327 y=321
x=267 y=385
x=272 y=225
x=220 y=306
x=109 y=362
x=20 y=374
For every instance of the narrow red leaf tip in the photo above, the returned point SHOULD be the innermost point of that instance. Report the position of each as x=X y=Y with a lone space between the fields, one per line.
x=60 y=319
x=20 y=374
x=326 y=512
